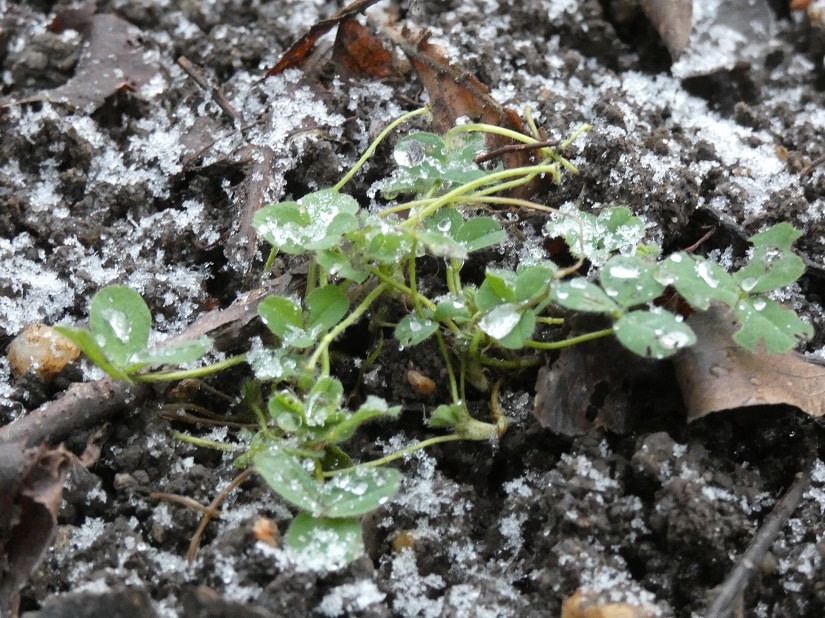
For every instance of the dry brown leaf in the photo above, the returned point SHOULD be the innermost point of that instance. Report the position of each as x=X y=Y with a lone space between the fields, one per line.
x=112 y=61
x=31 y=482
x=359 y=53
x=601 y=384
x=673 y=20
x=716 y=374
x=300 y=49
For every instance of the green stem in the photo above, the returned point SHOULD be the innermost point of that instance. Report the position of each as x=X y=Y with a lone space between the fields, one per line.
x=203 y=442
x=495 y=410
x=400 y=287
x=480 y=127
x=566 y=343
x=445 y=354
x=416 y=297
x=270 y=260
x=483 y=198
x=344 y=324
x=468 y=187
x=183 y=374
x=372 y=147
x=550 y=321
x=407 y=450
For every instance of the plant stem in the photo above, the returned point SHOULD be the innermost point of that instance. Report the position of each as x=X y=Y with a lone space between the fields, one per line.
x=550 y=321
x=407 y=450
x=468 y=187
x=183 y=374
x=445 y=354
x=372 y=147
x=416 y=297
x=344 y=324
x=566 y=343
x=495 y=410
x=400 y=287
x=270 y=260
x=203 y=442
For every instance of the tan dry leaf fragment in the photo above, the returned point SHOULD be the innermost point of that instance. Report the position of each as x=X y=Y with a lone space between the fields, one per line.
x=716 y=374
x=673 y=20
x=31 y=489
x=601 y=384
x=298 y=52
x=357 y=52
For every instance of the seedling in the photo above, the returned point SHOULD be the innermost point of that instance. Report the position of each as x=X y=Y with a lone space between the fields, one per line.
x=360 y=259
x=117 y=339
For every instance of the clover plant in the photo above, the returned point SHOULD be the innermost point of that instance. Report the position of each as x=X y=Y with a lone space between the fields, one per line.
x=360 y=258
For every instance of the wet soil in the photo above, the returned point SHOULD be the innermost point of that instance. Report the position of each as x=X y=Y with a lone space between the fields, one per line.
x=147 y=189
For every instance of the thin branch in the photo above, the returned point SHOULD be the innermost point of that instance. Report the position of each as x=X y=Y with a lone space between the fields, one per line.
x=735 y=583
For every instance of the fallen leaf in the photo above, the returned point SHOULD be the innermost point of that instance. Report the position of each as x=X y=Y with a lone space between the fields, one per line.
x=673 y=20
x=300 y=49
x=359 y=53
x=113 y=60
x=31 y=489
x=716 y=374
x=454 y=93
x=601 y=384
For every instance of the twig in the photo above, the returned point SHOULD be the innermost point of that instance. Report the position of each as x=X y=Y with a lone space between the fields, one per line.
x=186 y=501
x=197 y=74
x=699 y=242
x=810 y=167
x=735 y=583
x=256 y=184
x=514 y=148
x=211 y=511
x=81 y=407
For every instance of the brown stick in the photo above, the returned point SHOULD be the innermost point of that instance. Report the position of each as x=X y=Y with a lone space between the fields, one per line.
x=81 y=407
x=196 y=73
x=735 y=583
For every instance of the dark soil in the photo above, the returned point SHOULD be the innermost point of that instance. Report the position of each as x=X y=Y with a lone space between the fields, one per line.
x=147 y=189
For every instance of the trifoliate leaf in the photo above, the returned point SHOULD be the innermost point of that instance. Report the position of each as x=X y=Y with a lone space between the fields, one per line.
x=120 y=322
x=173 y=353
x=315 y=222
x=323 y=543
x=327 y=306
x=280 y=314
x=359 y=491
x=412 y=330
x=766 y=321
x=509 y=324
x=581 y=295
x=479 y=232
x=286 y=474
x=699 y=281
x=781 y=236
x=654 y=334
x=532 y=281
x=630 y=280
